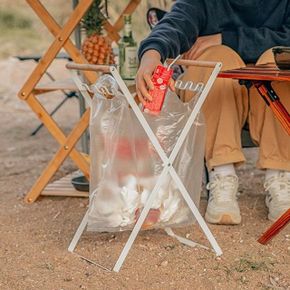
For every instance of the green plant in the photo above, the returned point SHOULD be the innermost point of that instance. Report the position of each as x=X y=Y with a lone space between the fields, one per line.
x=94 y=19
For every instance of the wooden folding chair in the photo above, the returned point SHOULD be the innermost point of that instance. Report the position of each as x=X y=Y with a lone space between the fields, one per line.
x=31 y=88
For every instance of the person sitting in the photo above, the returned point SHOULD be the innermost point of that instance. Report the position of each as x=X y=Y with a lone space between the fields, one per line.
x=235 y=33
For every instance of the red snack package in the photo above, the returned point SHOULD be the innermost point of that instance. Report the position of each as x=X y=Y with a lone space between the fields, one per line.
x=160 y=80
x=151 y=219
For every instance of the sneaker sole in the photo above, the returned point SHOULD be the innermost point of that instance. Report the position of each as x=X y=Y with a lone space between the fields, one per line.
x=224 y=219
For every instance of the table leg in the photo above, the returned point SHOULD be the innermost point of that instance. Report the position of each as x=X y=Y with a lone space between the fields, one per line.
x=59 y=158
x=275 y=228
x=272 y=100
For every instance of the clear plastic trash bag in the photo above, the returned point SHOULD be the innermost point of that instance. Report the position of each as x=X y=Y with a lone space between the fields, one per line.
x=125 y=166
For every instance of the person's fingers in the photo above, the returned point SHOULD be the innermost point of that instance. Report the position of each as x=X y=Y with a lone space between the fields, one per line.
x=140 y=83
x=140 y=97
x=171 y=85
x=144 y=92
x=149 y=83
x=143 y=88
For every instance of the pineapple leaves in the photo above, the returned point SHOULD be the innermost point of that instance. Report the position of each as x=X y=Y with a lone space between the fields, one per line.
x=93 y=20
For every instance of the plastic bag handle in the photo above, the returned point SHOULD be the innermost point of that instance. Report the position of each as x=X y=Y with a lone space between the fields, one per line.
x=88 y=67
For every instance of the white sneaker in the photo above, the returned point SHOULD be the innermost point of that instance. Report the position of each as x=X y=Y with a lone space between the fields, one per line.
x=222 y=207
x=278 y=195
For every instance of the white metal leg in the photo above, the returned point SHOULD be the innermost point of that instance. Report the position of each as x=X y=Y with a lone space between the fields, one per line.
x=140 y=221
x=79 y=232
x=196 y=212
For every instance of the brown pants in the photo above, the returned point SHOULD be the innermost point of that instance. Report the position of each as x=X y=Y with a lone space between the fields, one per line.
x=229 y=105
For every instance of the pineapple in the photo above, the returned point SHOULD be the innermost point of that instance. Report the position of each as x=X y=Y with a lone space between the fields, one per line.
x=96 y=47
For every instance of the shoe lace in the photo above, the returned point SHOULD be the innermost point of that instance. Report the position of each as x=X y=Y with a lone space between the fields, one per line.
x=223 y=188
x=278 y=187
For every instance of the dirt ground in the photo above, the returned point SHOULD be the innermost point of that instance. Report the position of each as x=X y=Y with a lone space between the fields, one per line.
x=34 y=238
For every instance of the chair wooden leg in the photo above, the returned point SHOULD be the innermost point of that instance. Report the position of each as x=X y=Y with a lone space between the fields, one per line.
x=54 y=48
x=57 y=133
x=113 y=30
x=55 y=29
x=58 y=159
x=129 y=9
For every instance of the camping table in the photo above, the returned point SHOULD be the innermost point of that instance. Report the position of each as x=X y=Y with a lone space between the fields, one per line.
x=31 y=88
x=261 y=77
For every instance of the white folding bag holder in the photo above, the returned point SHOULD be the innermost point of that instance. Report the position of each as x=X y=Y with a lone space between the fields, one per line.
x=167 y=161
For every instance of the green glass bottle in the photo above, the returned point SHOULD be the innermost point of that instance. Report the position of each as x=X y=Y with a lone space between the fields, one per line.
x=128 y=63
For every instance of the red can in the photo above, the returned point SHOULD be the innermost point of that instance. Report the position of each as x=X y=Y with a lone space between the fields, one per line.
x=160 y=81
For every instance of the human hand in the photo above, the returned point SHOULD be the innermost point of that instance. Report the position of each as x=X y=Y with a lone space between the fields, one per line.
x=201 y=44
x=149 y=61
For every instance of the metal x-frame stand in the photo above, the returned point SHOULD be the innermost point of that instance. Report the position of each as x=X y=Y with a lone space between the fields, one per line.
x=167 y=162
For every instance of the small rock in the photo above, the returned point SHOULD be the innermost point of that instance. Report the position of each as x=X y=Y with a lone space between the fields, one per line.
x=49 y=266
x=11 y=149
x=169 y=247
x=112 y=238
x=164 y=263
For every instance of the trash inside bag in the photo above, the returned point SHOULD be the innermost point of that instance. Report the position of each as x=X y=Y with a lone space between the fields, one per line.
x=125 y=166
